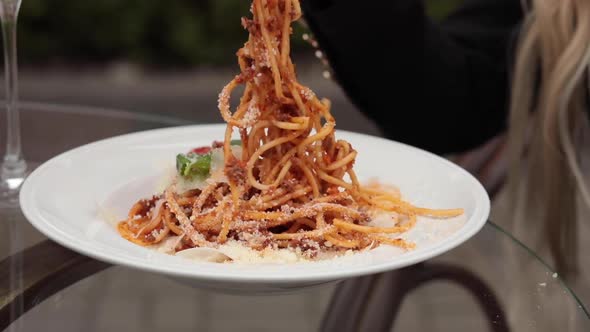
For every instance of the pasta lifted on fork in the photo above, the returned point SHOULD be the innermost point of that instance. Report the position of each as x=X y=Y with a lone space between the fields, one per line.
x=288 y=182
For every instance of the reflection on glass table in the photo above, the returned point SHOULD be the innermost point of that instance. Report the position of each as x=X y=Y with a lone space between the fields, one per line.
x=491 y=282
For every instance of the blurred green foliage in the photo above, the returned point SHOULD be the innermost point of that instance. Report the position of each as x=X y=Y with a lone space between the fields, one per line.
x=161 y=33
x=438 y=9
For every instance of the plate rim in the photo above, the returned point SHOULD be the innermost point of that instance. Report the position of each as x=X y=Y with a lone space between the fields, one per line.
x=481 y=214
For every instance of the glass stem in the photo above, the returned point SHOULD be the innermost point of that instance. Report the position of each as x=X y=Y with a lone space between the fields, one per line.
x=14 y=165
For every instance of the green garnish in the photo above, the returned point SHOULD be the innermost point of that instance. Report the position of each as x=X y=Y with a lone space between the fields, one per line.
x=236 y=142
x=182 y=161
x=192 y=165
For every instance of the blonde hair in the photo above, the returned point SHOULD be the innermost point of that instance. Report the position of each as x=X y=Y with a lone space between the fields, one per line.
x=548 y=108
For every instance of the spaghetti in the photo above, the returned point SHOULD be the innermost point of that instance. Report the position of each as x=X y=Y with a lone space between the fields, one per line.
x=292 y=184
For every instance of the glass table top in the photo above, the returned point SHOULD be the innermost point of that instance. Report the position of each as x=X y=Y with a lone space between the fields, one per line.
x=491 y=282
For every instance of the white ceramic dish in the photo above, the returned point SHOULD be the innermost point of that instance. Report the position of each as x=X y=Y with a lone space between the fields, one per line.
x=71 y=197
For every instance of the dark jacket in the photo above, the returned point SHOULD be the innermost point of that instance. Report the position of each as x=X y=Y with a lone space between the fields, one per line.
x=442 y=86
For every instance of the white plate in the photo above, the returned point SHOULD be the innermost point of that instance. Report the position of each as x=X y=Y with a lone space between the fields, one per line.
x=71 y=197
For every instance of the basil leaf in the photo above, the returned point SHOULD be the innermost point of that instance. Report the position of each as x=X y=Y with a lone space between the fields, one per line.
x=192 y=165
x=182 y=161
x=200 y=167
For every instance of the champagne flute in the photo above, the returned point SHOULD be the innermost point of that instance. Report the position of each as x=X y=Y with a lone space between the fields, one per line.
x=13 y=168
